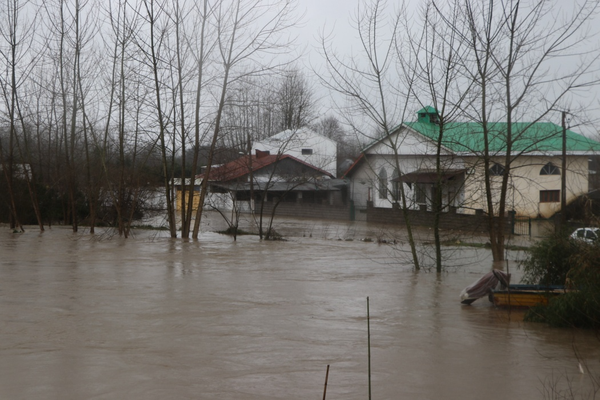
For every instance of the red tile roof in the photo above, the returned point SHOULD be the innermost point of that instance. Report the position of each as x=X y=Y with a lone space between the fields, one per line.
x=241 y=167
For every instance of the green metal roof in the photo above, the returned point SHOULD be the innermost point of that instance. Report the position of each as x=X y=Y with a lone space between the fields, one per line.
x=427 y=110
x=468 y=137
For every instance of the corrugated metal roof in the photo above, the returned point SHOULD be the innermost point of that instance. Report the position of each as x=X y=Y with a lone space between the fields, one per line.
x=241 y=167
x=541 y=137
x=526 y=137
x=427 y=110
x=300 y=186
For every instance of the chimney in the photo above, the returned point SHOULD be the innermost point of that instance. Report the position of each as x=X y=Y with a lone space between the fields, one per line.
x=261 y=154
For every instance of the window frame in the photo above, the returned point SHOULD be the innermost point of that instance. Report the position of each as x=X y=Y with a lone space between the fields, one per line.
x=550 y=169
x=549 y=196
x=497 y=169
x=421 y=190
x=382 y=183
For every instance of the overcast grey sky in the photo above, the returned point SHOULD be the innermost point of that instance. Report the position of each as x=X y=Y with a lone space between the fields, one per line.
x=332 y=17
x=335 y=17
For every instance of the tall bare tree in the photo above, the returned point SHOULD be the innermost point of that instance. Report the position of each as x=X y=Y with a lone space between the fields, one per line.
x=369 y=81
x=294 y=100
x=153 y=47
x=245 y=32
x=70 y=34
x=515 y=50
x=199 y=40
x=16 y=36
x=435 y=64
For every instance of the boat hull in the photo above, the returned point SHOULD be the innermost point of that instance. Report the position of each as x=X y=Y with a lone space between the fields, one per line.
x=523 y=298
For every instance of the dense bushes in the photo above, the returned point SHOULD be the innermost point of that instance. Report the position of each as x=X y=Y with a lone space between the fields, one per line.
x=548 y=261
x=560 y=260
x=580 y=309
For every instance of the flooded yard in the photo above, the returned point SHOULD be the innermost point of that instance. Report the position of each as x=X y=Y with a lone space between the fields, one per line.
x=149 y=317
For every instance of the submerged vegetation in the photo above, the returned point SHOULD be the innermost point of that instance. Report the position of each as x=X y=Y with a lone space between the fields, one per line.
x=235 y=231
x=559 y=260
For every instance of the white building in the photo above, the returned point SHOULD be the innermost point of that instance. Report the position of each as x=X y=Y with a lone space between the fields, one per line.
x=303 y=144
x=408 y=157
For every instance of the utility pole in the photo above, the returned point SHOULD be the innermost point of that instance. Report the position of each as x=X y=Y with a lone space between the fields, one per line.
x=563 y=177
x=251 y=175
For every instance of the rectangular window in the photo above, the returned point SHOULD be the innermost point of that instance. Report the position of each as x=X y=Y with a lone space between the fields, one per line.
x=549 y=196
x=420 y=193
x=307 y=152
x=396 y=190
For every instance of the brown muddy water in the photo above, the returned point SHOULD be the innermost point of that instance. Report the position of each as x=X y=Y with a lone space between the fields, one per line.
x=149 y=317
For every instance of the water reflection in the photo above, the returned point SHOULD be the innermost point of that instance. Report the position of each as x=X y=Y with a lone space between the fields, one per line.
x=153 y=318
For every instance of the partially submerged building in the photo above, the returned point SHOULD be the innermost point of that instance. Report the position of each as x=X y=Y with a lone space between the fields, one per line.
x=407 y=157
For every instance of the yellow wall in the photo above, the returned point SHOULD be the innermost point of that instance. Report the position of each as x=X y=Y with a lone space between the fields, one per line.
x=196 y=199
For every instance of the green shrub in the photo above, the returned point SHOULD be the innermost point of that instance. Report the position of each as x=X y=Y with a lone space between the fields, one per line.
x=580 y=309
x=559 y=260
x=548 y=261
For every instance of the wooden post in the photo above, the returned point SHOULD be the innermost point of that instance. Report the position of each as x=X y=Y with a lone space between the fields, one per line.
x=326 y=378
x=369 y=345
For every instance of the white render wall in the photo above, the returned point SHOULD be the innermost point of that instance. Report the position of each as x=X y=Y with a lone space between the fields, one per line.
x=365 y=179
x=525 y=184
x=292 y=142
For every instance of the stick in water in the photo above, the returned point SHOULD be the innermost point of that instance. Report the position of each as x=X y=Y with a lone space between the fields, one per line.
x=369 y=344
x=326 y=377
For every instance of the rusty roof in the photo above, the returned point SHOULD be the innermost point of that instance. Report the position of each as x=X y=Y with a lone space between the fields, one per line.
x=240 y=167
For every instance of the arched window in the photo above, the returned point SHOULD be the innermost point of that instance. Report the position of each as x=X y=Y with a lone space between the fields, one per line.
x=549 y=169
x=497 y=170
x=383 y=182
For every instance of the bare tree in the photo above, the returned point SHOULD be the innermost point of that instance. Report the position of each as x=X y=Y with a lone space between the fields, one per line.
x=437 y=56
x=515 y=48
x=153 y=45
x=243 y=34
x=116 y=147
x=201 y=42
x=369 y=81
x=294 y=100
x=348 y=147
x=70 y=35
x=331 y=128
x=18 y=36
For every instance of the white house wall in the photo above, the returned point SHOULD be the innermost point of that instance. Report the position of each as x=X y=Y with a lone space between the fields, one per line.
x=415 y=152
x=292 y=142
x=361 y=186
x=528 y=182
x=365 y=179
x=221 y=201
x=406 y=143
x=525 y=184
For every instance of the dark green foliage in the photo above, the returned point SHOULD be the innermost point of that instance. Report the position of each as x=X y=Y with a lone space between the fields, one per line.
x=580 y=309
x=232 y=230
x=548 y=261
x=575 y=264
x=51 y=204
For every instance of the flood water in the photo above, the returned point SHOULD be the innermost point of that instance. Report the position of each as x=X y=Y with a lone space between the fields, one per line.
x=149 y=317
